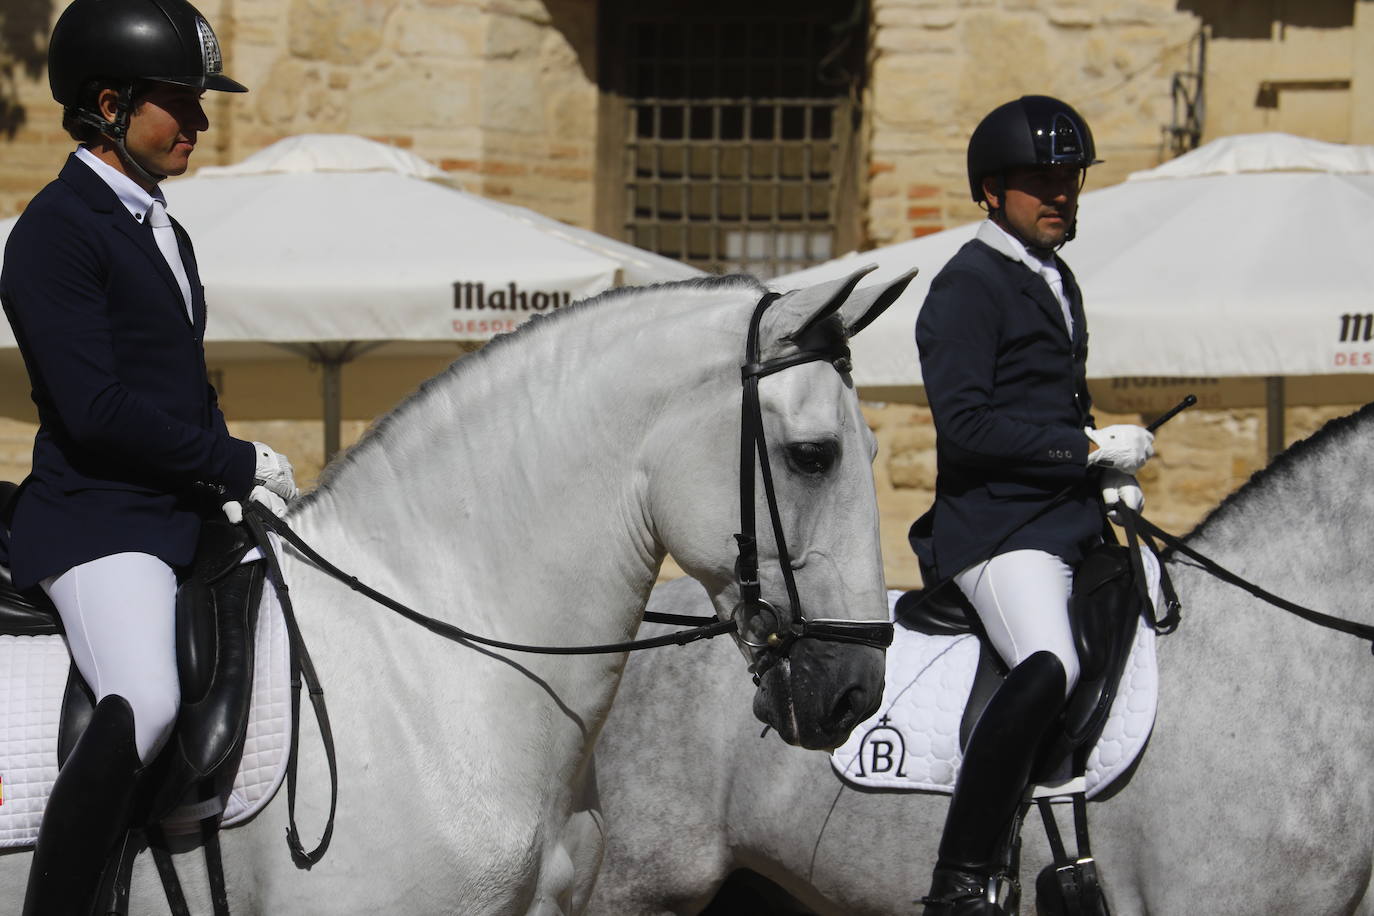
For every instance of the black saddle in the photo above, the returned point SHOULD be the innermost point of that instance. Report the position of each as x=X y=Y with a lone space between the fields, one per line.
x=1104 y=612
x=217 y=603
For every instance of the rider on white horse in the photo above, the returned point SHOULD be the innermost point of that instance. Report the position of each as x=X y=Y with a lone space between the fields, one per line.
x=102 y=291
x=1003 y=347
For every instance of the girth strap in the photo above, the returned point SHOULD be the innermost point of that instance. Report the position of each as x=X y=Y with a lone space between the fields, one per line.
x=214 y=870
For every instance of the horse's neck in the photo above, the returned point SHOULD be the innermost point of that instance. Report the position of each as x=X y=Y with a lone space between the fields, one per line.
x=1300 y=531
x=516 y=480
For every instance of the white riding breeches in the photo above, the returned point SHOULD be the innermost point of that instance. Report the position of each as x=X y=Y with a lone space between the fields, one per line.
x=120 y=616
x=1022 y=600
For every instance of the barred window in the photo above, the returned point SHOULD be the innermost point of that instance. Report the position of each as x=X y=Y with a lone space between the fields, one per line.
x=736 y=144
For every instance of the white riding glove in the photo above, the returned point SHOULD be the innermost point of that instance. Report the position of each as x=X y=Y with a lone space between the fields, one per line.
x=1118 y=487
x=274 y=472
x=1123 y=447
x=233 y=509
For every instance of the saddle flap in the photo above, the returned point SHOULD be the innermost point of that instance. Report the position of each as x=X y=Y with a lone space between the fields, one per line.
x=26 y=613
x=942 y=612
x=1103 y=608
x=1104 y=612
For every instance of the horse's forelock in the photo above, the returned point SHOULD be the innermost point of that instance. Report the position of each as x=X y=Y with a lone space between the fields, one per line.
x=501 y=346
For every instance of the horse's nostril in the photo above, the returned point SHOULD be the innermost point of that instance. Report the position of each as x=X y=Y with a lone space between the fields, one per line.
x=845 y=712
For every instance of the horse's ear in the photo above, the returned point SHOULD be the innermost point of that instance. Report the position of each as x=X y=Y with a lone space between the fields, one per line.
x=868 y=303
x=806 y=307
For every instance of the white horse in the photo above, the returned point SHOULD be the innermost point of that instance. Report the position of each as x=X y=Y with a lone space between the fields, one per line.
x=530 y=494
x=1254 y=795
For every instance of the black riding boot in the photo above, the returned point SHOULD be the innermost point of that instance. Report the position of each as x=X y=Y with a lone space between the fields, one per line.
x=992 y=780
x=87 y=814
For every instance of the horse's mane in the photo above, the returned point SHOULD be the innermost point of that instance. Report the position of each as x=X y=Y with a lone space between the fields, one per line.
x=499 y=347
x=1331 y=436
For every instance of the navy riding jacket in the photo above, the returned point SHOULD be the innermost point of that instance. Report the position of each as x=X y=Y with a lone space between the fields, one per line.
x=1008 y=393
x=127 y=417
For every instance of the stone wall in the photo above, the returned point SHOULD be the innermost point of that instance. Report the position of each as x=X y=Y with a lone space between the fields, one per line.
x=938 y=65
x=501 y=94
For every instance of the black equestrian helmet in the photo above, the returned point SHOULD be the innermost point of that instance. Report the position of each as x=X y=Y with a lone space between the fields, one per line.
x=167 y=41
x=1031 y=130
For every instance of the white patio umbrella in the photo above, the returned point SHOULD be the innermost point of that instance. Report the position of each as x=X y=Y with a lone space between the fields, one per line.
x=334 y=245
x=1245 y=258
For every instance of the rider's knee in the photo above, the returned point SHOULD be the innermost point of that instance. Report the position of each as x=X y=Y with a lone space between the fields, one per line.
x=155 y=710
x=1072 y=671
x=1047 y=673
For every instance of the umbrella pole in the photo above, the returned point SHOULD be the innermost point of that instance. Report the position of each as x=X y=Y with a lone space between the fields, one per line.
x=1274 y=407
x=330 y=357
x=332 y=370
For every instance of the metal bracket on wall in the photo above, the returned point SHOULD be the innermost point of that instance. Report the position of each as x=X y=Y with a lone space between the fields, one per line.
x=1268 y=95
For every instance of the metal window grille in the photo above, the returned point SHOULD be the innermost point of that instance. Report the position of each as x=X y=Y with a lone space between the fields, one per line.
x=736 y=131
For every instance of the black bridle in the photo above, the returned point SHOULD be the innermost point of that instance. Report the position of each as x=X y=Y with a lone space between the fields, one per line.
x=760 y=625
x=768 y=633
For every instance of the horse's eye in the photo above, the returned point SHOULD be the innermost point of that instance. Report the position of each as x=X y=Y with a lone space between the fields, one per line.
x=812 y=457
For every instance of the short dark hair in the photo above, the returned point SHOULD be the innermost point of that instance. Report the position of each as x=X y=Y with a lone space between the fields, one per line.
x=88 y=101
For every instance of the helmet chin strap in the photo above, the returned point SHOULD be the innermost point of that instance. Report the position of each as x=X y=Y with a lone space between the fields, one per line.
x=134 y=165
x=116 y=131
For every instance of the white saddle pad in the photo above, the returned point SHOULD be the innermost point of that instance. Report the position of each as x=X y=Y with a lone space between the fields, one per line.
x=33 y=676
x=912 y=742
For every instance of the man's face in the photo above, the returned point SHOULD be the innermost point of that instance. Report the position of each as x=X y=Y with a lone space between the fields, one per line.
x=1041 y=202
x=163 y=127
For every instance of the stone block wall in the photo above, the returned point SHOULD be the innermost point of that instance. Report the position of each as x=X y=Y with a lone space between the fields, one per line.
x=500 y=94
x=938 y=67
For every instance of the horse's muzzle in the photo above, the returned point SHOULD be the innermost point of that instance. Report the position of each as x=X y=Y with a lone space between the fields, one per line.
x=822 y=690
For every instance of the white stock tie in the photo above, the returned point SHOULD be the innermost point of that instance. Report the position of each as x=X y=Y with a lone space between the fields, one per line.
x=1056 y=284
x=167 y=242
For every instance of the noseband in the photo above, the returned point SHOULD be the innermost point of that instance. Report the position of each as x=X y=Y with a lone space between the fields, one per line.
x=762 y=627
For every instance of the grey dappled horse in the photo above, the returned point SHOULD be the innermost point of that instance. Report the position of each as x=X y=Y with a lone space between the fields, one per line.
x=1254 y=796
x=529 y=494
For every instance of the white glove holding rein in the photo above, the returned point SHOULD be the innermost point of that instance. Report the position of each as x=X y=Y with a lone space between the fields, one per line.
x=1119 y=487
x=274 y=484
x=233 y=509
x=274 y=472
x=1122 y=447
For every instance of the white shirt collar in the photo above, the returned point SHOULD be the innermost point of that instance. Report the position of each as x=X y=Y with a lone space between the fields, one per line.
x=1012 y=248
x=134 y=198
x=1008 y=245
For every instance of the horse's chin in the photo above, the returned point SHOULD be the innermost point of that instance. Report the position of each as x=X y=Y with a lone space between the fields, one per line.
x=815 y=697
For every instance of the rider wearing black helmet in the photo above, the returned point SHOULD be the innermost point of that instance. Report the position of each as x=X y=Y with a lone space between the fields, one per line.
x=1003 y=348
x=124 y=46
x=102 y=291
